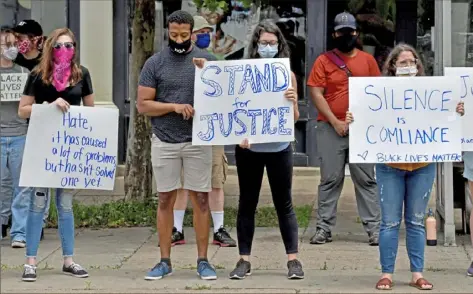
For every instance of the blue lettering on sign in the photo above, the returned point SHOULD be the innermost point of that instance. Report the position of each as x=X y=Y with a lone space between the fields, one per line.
x=466 y=89
x=412 y=99
x=403 y=136
x=273 y=77
x=78 y=156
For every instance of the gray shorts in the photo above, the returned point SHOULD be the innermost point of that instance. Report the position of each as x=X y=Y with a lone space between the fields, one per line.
x=468 y=165
x=169 y=160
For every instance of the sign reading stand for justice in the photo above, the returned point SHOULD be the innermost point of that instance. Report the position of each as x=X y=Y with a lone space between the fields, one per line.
x=72 y=150
x=405 y=119
x=241 y=99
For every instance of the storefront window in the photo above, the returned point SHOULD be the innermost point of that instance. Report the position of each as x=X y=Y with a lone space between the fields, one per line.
x=234 y=25
x=383 y=22
x=462 y=33
x=13 y=11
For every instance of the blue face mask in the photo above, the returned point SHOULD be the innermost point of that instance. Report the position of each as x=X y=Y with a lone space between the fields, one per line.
x=267 y=51
x=203 y=40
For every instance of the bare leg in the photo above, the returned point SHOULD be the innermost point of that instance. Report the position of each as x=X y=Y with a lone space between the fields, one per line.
x=165 y=221
x=200 y=204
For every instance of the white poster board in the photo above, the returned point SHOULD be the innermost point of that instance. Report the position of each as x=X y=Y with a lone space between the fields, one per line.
x=72 y=150
x=241 y=99
x=11 y=86
x=404 y=119
x=466 y=95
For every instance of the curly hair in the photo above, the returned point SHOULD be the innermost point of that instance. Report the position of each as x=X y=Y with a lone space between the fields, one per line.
x=181 y=17
x=389 y=68
x=268 y=26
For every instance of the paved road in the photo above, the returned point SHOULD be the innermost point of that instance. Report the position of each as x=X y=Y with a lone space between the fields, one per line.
x=117 y=260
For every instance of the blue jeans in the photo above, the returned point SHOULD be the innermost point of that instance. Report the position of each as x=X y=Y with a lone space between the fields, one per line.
x=411 y=189
x=14 y=200
x=65 y=221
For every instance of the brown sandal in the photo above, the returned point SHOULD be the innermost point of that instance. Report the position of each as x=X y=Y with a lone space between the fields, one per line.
x=384 y=284
x=421 y=283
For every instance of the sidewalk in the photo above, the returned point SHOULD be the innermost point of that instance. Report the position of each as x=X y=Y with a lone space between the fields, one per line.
x=117 y=260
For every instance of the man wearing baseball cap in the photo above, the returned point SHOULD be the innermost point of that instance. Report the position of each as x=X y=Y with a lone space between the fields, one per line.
x=328 y=84
x=30 y=41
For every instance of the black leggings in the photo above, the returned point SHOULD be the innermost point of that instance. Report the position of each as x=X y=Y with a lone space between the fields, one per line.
x=250 y=168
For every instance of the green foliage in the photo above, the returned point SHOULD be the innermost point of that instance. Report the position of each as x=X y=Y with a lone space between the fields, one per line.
x=138 y=214
x=214 y=5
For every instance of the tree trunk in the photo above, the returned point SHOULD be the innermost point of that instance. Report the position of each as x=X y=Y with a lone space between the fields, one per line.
x=139 y=174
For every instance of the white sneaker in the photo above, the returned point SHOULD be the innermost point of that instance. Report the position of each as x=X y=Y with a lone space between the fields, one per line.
x=18 y=244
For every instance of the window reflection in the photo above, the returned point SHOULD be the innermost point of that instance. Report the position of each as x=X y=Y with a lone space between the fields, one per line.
x=233 y=28
x=13 y=11
x=462 y=33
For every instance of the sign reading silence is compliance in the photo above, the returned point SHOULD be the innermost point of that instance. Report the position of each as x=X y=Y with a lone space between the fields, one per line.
x=404 y=119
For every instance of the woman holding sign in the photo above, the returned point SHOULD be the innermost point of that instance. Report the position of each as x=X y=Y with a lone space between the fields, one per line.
x=405 y=185
x=60 y=81
x=14 y=200
x=267 y=42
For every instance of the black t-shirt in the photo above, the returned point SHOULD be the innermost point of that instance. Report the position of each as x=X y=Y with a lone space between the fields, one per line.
x=48 y=93
x=28 y=63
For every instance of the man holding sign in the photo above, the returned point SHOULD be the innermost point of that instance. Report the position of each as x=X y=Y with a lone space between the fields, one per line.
x=166 y=94
x=14 y=200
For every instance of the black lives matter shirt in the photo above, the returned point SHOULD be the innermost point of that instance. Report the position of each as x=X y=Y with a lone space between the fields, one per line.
x=47 y=93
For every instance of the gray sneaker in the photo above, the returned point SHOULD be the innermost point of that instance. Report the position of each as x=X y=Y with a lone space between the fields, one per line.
x=295 y=270
x=321 y=237
x=469 y=272
x=242 y=269
x=373 y=240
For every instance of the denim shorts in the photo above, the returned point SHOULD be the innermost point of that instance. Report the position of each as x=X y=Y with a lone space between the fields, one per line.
x=468 y=165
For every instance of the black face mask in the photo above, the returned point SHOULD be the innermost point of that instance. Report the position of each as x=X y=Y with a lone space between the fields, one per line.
x=345 y=43
x=180 y=48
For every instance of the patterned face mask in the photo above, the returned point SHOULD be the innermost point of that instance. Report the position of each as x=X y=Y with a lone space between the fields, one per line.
x=24 y=46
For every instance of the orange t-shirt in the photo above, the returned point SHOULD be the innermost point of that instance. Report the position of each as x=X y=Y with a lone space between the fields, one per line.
x=325 y=74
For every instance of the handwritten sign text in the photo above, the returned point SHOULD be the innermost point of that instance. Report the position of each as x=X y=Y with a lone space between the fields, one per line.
x=73 y=150
x=404 y=120
x=243 y=99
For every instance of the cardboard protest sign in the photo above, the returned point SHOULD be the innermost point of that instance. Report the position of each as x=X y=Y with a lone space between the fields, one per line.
x=404 y=119
x=241 y=99
x=466 y=95
x=73 y=150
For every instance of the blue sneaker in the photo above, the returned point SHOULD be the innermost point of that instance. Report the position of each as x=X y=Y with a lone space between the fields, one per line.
x=206 y=271
x=469 y=272
x=159 y=271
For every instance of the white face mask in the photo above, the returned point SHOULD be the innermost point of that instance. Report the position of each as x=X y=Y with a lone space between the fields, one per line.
x=406 y=71
x=10 y=53
x=267 y=51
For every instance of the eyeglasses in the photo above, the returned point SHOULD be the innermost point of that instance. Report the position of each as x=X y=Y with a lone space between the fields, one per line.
x=67 y=45
x=266 y=43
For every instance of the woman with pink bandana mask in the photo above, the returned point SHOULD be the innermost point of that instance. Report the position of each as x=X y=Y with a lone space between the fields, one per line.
x=57 y=80
x=29 y=41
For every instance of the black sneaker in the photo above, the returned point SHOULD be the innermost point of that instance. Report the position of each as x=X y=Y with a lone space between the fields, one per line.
x=321 y=237
x=295 y=270
x=177 y=237
x=373 y=240
x=29 y=273
x=242 y=269
x=222 y=238
x=75 y=270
